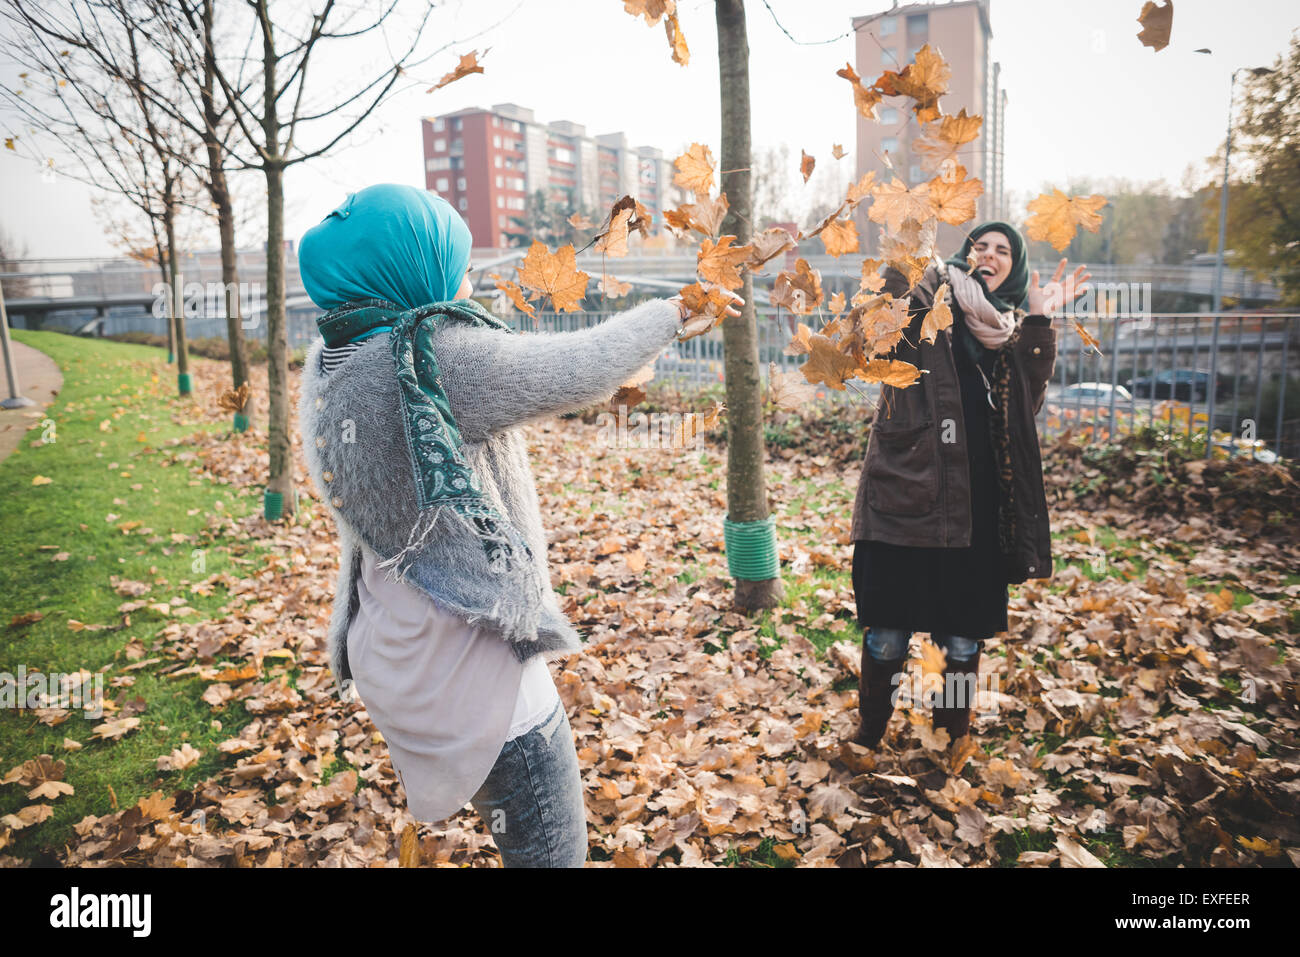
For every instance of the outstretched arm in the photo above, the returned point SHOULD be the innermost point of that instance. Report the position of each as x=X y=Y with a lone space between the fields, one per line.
x=495 y=381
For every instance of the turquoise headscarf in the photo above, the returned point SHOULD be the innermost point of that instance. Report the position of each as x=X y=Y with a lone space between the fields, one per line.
x=405 y=245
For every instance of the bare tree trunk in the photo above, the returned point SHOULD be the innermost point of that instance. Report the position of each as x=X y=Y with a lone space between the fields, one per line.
x=277 y=348
x=165 y=269
x=746 y=450
x=178 y=300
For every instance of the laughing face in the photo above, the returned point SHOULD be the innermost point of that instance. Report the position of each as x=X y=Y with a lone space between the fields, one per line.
x=993 y=258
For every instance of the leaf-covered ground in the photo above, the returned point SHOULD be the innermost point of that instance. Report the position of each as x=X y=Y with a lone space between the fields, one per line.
x=1145 y=712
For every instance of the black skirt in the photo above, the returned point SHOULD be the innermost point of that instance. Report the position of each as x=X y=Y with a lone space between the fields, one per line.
x=950 y=591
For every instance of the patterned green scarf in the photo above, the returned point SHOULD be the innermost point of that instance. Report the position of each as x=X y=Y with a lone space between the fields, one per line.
x=442 y=475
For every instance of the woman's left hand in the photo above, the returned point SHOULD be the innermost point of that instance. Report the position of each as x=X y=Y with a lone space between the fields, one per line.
x=1046 y=300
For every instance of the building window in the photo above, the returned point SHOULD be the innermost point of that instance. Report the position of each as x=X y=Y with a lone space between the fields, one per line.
x=501 y=182
x=888 y=56
x=460 y=183
x=501 y=202
x=918 y=24
x=516 y=127
x=515 y=202
x=455 y=123
x=518 y=183
x=440 y=146
x=888 y=114
x=888 y=26
x=463 y=204
x=437 y=163
x=439 y=125
x=915 y=174
x=498 y=162
x=443 y=184
x=496 y=141
x=501 y=220
x=889 y=144
x=562 y=155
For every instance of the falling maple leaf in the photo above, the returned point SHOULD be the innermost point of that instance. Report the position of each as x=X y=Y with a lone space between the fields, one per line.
x=800 y=343
x=833 y=215
x=717 y=262
x=1157 y=22
x=865 y=98
x=709 y=302
x=627 y=395
x=838 y=151
x=233 y=400
x=555 y=275
x=872 y=281
x=880 y=322
x=925 y=79
x=860 y=190
x=693 y=423
x=840 y=237
x=806 y=164
x=940 y=139
x=613 y=242
x=954 y=201
x=468 y=64
x=827 y=364
x=704 y=217
x=767 y=245
x=516 y=295
x=894 y=202
x=891 y=372
x=799 y=291
x=1085 y=335
x=677 y=40
x=786 y=391
x=939 y=317
x=611 y=287
x=580 y=221
x=652 y=10
x=901 y=257
x=1057 y=217
x=695 y=170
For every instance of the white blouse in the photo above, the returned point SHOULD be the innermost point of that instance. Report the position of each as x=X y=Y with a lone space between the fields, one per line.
x=445 y=695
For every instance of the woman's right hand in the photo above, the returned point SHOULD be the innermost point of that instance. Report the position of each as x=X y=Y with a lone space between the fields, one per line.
x=698 y=324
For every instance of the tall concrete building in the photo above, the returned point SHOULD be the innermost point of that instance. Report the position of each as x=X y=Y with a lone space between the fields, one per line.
x=490 y=163
x=960 y=31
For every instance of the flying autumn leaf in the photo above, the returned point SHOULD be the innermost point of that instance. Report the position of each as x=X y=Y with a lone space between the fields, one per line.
x=940 y=139
x=1157 y=22
x=468 y=64
x=891 y=372
x=954 y=201
x=232 y=400
x=693 y=423
x=840 y=237
x=881 y=321
x=799 y=291
x=900 y=256
x=695 y=170
x=717 y=262
x=652 y=10
x=1057 y=217
x=710 y=301
x=515 y=294
x=800 y=343
x=787 y=391
x=894 y=202
x=767 y=245
x=579 y=221
x=806 y=164
x=833 y=215
x=612 y=288
x=627 y=395
x=925 y=79
x=865 y=98
x=861 y=189
x=614 y=240
x=677 y=40
x=1085 y=335
x=827 y=364
x=555 y=275
x=838 y=151
x=939 y=317
x=872 y=281
x=837 y=303
x=704 y=217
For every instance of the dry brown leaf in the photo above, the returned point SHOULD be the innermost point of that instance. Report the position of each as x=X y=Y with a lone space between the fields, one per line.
x=468 y=64
x=838 y=151
x=865 y=98
x=580 y=221
x=954 y=201
x=840 y=237
x=717 y=262
x=516 y=295
x=787 y=391
x=872 y=281
x=893 y=203
x=827 y=364
x=806 y=164
x=925 y=79
x=1057 y=217
x=612 y=288
x=767 y=245
x=704 y=217
x=939 y=317
x=652 y=10
x=799 y=291
x=1157 y=22
x=861 y=189
x=695 y=170
x=891 y=372
x=233 y=400
x=555 y=275
x=677 y=40
x=940 y=139
x=614 y=240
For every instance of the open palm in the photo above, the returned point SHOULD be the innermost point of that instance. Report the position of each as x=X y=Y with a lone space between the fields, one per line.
x=1048 y=299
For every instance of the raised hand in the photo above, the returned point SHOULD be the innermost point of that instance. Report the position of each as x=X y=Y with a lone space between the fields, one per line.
x=698 y=324
x=1047 y=300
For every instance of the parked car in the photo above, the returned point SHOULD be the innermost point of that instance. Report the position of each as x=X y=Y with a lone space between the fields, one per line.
x=1256 y=450
x=1186 y=385
x=1093 y=393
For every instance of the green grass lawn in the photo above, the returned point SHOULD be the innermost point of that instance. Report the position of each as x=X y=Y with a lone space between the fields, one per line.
x=116 y=504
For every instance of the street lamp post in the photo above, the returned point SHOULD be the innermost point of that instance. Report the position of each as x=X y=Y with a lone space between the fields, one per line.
x=1212 y=386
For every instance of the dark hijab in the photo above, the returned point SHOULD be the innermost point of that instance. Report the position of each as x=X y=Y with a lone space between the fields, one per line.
x=1014 y=291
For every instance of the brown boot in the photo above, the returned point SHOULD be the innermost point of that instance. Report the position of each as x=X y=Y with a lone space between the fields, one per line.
x=960 y=678
x=876 y=687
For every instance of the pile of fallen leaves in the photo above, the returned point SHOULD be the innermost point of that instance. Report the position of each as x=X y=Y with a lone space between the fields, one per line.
x=1141 y=717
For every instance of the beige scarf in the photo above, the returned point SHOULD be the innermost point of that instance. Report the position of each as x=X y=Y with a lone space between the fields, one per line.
x=990 y=327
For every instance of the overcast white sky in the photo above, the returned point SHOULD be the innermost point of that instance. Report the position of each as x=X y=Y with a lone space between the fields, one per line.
x=1085 y=98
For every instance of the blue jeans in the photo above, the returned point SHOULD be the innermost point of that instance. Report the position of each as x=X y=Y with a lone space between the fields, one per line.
x=890 y=644
x=532 y=801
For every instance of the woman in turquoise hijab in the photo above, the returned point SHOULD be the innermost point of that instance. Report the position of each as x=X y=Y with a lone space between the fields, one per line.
x=444 y=616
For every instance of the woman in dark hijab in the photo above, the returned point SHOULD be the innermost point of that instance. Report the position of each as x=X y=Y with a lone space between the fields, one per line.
x=914 y=569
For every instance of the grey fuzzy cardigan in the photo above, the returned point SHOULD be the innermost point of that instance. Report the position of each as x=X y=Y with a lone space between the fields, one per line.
x=355 y=446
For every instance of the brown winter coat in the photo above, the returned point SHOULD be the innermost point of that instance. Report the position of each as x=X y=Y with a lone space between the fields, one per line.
x=915 y=487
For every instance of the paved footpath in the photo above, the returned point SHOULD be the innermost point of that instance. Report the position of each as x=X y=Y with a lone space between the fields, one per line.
x=40 y=380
